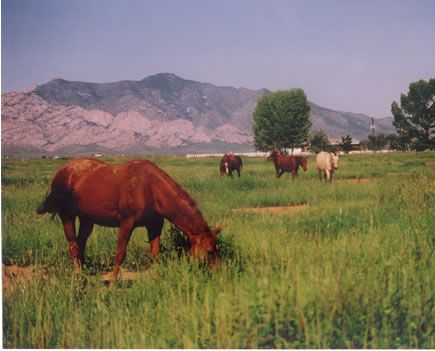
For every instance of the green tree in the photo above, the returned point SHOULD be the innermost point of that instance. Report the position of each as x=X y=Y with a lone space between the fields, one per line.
x=398 y=142
x=415 y=118
x=346 y=143
x=319 y=141
x=364 y=144
x=281 y=120
x=376 y=142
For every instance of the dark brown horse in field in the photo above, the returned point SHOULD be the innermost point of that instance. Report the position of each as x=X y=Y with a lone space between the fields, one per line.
x=131 y=195
x=284 y=163
x=230 y=163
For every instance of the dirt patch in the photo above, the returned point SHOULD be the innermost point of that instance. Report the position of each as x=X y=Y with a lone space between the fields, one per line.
x=357 y=180
x=273 y=209
x=16 y=277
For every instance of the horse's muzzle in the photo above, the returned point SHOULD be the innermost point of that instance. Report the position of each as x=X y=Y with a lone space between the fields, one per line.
x=213 y=261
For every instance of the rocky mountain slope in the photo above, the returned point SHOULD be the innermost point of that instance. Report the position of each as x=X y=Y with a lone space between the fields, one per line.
x=338 y=124
x=160 y=112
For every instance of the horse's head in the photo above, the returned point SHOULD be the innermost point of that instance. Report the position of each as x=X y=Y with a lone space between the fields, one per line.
x=334 y=158
x=273 y=154
x=304 y=163
x=206 y=246
x=224 y=166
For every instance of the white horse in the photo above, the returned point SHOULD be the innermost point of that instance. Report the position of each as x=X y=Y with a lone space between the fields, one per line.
x=326 y=163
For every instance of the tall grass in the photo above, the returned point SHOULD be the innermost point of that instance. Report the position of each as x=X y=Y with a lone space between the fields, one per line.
x=354 y=270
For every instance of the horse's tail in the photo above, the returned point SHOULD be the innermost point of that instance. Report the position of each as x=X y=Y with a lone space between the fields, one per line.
x=58 y=200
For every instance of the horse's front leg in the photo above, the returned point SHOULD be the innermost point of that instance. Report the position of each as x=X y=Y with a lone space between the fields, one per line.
x=279 y=173
x=293 y=175
x=327 y=176
x=69 y=229
x=154 y=227
x=124 y=234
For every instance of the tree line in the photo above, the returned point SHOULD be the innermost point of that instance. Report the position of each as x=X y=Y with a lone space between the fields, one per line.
x=282 y=120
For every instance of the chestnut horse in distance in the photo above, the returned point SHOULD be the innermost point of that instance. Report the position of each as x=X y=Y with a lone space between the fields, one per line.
x=284 y=163
x=131 y=195
x=230 y=163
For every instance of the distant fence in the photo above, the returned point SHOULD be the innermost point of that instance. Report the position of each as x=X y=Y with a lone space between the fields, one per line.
x=296 y=151
x=248 y=154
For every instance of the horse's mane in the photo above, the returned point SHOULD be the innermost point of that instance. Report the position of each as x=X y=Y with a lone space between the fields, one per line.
x=181 y=193
x=183 y=196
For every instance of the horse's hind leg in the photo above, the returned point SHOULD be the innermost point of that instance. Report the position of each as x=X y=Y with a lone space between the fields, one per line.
x=69 y=229
x=124 y=234
x=85 y=229
x=154 y=227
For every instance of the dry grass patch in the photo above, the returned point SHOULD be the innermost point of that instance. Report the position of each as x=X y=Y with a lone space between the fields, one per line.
x=273 y=209
x=356 y=180
x=15 y=277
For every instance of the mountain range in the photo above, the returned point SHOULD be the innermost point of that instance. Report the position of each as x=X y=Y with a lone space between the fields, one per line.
x=160 y=113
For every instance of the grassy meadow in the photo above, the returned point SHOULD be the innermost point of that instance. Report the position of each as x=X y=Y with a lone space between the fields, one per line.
x=351 y=269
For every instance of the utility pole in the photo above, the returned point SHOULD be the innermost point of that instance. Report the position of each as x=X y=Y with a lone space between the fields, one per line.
x=372 y=127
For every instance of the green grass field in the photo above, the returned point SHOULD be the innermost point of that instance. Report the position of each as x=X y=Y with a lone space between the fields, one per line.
x=352 y=269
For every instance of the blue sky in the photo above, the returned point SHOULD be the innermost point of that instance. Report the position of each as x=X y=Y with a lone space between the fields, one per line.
x=347 y=55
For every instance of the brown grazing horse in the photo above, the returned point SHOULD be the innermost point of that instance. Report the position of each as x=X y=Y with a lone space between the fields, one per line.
x=229 y=163
x=284 y=163
x=134 y=194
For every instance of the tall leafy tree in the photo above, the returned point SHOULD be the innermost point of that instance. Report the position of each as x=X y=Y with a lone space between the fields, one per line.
x=398 y=142
x=415 y=118
x=319 y=141
x=281 y=120
x=346 y=143
x=375 y=142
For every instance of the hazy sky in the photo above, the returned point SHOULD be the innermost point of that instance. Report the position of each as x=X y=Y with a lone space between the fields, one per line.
x=347 y=55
